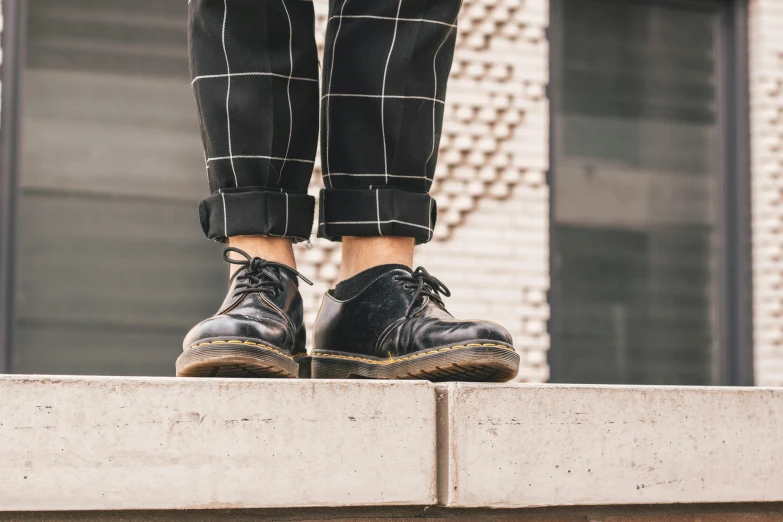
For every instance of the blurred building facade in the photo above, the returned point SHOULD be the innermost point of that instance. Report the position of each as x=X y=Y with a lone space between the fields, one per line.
x=597 y=168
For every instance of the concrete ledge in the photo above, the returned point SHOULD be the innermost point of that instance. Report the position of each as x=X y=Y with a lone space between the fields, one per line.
x=143 y=443
x=103 y=444
x=513 y=446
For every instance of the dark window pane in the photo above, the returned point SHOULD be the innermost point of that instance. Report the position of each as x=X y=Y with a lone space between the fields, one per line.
x=112 y=266
x=636 y=184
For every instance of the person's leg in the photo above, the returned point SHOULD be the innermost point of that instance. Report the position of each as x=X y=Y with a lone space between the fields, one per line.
x=384 y=86
x=362 y=253
x=255 y=76
x=386 y=64
x=275 y=249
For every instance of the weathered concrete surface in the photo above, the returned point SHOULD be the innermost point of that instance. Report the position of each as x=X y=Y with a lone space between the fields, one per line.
x=507 y=446
x=101 y=444
x=143 y=443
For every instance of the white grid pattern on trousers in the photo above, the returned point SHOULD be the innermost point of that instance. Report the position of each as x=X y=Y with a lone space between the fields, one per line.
x=228 y=75
x=327 y=174
x=409 y=36
x=285 y=232
x=255 y=73
x=380 y=175
x=378 y=211
x=383 y=100
x=377 y=222
x=383 y=97
x=325 y=98
x=427 y=170
x=328 y=94
x=225 y=214
x=288 y=95
x=244 y=156
x=394 y=19
x=435 y=90
x=228 y=94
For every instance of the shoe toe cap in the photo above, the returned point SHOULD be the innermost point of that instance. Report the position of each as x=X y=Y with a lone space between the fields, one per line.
x=481 y=330
x=234 y=327
x=491 y=331
x=445 y=333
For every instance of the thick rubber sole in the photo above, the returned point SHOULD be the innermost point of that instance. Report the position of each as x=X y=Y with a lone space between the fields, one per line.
x=474 y=362
x=238 y=359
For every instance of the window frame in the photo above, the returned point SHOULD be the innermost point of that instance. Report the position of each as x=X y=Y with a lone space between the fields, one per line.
x=735 y=292
x=13 y=46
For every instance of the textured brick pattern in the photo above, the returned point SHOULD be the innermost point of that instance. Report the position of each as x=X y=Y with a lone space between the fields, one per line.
x=766 y=86
x=491 y=242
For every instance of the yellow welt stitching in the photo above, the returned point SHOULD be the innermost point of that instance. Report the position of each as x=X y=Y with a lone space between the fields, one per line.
x=391 y=360
x=234 y=341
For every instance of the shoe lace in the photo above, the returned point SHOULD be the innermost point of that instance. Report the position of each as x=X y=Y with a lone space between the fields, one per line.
x=425 y=285
x=257 y=275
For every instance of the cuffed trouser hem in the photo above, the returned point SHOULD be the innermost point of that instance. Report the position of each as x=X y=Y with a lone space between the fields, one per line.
x=257 y=212
x=383 y=211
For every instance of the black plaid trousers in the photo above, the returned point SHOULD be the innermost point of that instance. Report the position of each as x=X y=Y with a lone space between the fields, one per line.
x=255 y=76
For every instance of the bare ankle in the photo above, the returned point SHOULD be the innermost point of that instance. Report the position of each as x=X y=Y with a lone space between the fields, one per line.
x=275 y=249
x=361 y=253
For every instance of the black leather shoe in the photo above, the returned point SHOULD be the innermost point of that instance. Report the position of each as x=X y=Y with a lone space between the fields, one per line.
x=397 y=327
x=258 y=331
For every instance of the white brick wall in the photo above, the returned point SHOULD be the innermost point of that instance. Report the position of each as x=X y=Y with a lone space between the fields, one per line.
x=766 y=89
x=491 y=244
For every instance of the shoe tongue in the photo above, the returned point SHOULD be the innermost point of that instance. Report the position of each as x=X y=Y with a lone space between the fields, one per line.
x=352 y=286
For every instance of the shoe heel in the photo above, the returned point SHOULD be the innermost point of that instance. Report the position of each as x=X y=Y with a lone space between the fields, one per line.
x=333 y=368
x=305 y=367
